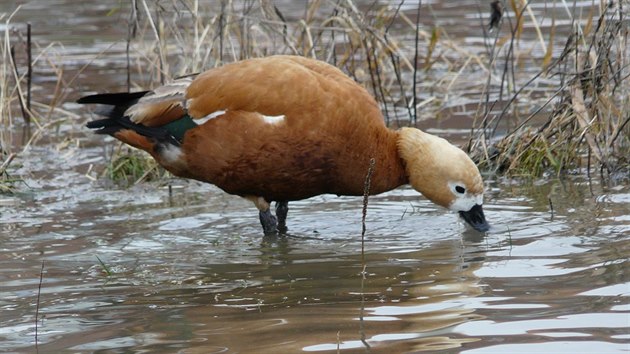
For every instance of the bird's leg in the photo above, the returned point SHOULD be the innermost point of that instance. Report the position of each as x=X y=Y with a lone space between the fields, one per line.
x=282 y=208
x=267 y=220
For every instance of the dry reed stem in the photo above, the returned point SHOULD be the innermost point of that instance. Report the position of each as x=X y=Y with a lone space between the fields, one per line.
x=5 y=164
x=581 y=113
x=366 y=194
x=532 y=17
x=39 y=292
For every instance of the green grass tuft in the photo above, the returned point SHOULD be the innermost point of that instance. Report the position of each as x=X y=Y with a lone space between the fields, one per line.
x=129 y=167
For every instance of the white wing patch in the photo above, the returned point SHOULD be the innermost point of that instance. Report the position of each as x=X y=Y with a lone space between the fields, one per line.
x=272 y=119
x=212 y=115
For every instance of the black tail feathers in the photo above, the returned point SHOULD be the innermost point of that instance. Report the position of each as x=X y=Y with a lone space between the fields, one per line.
x=113 y=99
x=114 y=104
x=116 y=119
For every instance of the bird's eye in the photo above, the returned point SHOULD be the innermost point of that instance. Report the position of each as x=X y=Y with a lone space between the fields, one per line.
x=460 y=189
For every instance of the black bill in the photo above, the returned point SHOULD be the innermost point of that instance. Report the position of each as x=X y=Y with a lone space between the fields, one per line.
x=475 y=218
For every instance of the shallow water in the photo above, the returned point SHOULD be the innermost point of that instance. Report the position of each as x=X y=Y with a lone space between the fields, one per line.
x=142 y=270
x=191 y=272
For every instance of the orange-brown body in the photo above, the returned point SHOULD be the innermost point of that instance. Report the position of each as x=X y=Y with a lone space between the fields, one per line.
x=332 y=127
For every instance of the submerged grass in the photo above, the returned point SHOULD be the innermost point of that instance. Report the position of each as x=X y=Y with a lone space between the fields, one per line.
x=104 y=266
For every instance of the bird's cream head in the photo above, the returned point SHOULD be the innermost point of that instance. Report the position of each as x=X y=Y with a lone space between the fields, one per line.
x=444 y=174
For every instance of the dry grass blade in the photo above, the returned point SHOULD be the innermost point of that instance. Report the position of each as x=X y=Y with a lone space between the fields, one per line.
x=581 y=115
x=39 y=292
x=6 y=163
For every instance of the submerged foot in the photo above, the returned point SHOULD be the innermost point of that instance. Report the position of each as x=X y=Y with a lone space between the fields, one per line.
x=282 y=208
x=268 y=222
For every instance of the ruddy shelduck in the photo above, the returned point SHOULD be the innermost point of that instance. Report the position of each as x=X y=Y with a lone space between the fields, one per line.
x=286 y=128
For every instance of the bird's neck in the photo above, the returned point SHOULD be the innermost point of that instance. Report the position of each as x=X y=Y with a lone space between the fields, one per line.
x=389 y=170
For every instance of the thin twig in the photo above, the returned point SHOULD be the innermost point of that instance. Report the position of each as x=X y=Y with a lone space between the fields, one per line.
x=366 y=194
x=25 y=114
x=6 y=163
x=415 y=65
x=39 y=292
x=132 y=28
x=29 y=73
x=162 y=60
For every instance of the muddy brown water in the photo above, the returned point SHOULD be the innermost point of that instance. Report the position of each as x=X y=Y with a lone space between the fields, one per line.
x=189 y=272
